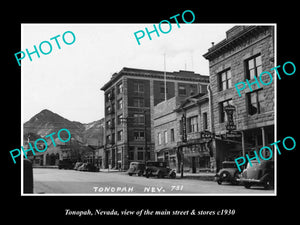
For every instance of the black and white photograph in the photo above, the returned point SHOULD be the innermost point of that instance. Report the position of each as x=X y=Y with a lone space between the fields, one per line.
x=167 y=114
x=137 y=115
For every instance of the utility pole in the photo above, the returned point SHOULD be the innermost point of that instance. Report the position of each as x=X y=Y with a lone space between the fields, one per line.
x=184 y=140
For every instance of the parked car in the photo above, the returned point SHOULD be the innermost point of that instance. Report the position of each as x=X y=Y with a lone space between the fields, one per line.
x=65 y=164
x=159 y=169
x=228 y=173
x=261 y=174
x=88 y=167
x=136 y=168
x=77 y=165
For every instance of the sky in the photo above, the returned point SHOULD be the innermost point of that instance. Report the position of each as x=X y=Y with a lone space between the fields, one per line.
x=67 y=81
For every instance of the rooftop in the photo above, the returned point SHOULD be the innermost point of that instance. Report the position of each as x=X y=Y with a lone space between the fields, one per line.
x=233 y=36
x=180 y=75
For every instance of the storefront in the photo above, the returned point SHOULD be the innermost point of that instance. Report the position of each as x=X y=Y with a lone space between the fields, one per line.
x=197 y=155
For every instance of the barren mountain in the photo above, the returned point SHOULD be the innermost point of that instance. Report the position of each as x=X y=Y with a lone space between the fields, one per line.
x=47 y=122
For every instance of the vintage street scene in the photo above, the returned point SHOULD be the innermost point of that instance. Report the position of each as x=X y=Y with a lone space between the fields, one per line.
x=164 y=131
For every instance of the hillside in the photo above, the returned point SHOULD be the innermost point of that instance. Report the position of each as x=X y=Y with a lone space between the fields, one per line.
x=47 y=122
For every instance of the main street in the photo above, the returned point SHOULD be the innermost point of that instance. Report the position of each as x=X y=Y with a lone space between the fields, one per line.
x=55 y=181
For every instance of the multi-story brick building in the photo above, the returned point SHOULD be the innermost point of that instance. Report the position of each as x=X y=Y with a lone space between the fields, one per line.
x=130 y=97
x=246 y=52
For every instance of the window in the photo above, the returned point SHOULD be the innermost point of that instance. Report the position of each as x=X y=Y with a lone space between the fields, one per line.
x=253 y=67
x=120 y=88
x=172 y=135
x=120 y=135
x=225 y=80
x=166 y=137
x=108 y=139
x=139 y=118
x=255 y=102
x=162 y=89
x=159 y=138
x=138 y=102
x=120 y=104
x=139 y=135
x=110 y=95
x=223 y=117
x=205 y=127
x=192 y=124
x=138 y=87
x=108 y=109
x=181 y=90
x=119 y=119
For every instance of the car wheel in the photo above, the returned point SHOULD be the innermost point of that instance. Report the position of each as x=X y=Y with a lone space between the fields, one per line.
x=219 y=182
x=130 y=174
x=173 y=175
x=159 y=175
x=225 y=176
x=234 y=179
x=268 y=184
x=147 y=174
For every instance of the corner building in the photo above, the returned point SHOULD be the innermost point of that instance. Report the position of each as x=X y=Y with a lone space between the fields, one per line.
x=130 y=97
x=246 y=52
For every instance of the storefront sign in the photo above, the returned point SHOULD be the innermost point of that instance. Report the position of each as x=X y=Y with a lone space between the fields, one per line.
x=229 y=110
x=184 y=135
x=233 y=134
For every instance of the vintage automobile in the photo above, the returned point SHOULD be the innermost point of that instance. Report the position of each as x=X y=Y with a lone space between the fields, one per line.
x=261 y=174
x=228 y=173
x=159 y=169
x=65 y=164
x=77 y=165
x=136 y=168
x=87 y=167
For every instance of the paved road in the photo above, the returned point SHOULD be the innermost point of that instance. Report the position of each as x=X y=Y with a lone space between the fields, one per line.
x=49 y=181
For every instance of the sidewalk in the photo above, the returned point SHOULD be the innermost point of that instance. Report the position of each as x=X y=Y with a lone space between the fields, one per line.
x=48 y=167
x=206 y=176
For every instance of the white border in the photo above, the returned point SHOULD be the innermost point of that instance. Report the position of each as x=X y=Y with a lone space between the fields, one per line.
x=167 y=194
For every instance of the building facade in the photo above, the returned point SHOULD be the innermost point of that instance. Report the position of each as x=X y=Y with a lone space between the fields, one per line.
x=246 y=52
x=130 y=97
x=182 y=133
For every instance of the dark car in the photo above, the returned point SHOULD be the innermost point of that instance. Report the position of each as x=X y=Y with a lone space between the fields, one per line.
x=261 y=174
x=88 y=167
x=65 y=164
x=136 y=168
x=159 y=169
x=228 y=173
